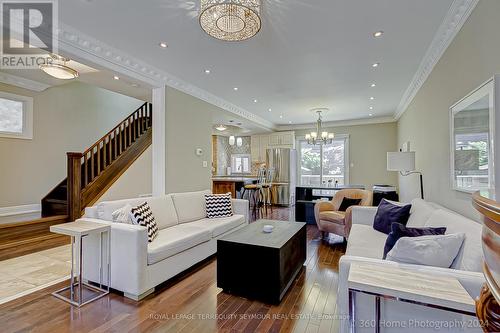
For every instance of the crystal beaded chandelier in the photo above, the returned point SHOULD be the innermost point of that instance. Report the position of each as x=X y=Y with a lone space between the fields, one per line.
x=230 y=20
x=325 y=137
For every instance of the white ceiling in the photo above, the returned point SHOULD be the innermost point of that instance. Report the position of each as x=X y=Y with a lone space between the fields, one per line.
x=308 y=53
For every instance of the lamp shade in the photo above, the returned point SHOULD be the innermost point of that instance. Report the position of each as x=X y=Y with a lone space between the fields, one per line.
x=401 y=161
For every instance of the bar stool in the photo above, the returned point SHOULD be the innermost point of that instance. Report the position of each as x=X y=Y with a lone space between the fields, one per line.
x=267 y=191
x=254 y=189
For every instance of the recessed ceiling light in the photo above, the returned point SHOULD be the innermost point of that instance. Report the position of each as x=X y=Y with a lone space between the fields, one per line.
x=371 y=107
x=163 y=45
x=255 y=101
x=372 y=98
x=270 y=110
x=207 y=71
x=373 y=85
x=370 y=114
x=375 y=65
x=378 y=34
x=135 y=85
x=235 y=88
x=116 y=77
x=290 y=122
x=281 y=116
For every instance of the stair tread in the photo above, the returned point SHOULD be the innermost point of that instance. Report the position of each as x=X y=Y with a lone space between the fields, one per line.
x=59 y=201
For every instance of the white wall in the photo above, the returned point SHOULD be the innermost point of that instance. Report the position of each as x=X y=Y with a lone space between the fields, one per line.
x=67 y=118
x=188 y=126
x=134 y=182
x=368 y=147
x=471 y=59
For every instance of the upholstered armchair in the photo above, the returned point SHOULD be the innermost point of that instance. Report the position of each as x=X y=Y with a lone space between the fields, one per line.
x=330 y=219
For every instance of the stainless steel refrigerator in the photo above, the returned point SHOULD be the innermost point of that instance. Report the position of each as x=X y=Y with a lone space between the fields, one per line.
x=284 y=163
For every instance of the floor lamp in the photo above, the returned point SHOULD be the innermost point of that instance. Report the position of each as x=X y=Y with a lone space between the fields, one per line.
x=404 y=162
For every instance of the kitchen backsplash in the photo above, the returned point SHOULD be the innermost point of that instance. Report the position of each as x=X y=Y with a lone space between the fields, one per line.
x=223 y=151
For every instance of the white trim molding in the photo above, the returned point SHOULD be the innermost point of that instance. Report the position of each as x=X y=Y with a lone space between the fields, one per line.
x=328 y=124
x=21 y=82
x=454 y=20
x=159 y=143
x=18 y=210
x=77 y=44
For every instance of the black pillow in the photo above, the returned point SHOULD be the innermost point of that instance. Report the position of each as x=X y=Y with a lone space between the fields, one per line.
x=387 y=213
x=348 y=202
x=398 y=230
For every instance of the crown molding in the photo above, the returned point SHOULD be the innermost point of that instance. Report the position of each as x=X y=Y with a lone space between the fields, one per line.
x=88 y=48
x=454 y=20
x=21 y=82
x=329 y=124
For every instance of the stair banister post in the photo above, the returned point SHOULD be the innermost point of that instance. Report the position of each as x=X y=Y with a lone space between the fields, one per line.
x=74 y=185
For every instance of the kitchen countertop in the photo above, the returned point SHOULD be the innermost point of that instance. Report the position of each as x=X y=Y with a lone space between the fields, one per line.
x=233 y=179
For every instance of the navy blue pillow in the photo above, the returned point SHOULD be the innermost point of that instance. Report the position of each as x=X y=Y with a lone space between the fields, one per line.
x=398 y=230
x=388 y=213
x=348 y=202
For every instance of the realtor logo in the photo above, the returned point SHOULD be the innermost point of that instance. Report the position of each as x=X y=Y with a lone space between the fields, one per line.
x=29 y=30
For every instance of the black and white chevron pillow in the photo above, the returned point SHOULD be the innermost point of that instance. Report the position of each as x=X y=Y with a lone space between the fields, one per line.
x=142 y=215
x=218 y=205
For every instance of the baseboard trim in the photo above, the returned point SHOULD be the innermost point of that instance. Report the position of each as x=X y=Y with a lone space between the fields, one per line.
x=18 y=210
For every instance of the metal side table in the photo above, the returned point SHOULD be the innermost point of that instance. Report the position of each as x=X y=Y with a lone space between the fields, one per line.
x=79 y=293
x=405 y=285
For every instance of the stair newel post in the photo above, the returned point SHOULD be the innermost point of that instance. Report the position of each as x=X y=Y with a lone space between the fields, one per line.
x=74 y=185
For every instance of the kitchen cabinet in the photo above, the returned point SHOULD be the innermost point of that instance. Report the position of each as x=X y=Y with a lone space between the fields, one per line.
x=260 y=143
x=255 y=148
x=282 y=140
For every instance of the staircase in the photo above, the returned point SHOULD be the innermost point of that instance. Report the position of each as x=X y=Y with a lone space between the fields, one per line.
x=92 y=172
x=90 y=175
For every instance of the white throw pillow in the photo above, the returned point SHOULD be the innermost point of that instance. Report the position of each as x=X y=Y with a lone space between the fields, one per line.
x=435 y=250
x=122 y=215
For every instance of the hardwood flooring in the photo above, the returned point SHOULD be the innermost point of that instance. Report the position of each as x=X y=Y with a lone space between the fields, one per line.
x=193 y=303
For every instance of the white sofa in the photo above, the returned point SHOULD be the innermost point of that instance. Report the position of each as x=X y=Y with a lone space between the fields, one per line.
x=185 y=238
x=366 y=245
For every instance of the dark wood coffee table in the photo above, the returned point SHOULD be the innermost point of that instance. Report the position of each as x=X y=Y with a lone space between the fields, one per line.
x=258 y=265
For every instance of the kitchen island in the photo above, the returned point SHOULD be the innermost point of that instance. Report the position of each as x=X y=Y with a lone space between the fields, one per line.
x=232 y=184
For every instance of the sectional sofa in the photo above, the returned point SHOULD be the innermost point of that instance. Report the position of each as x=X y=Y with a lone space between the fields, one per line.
x=185 y=238
x=366 y=245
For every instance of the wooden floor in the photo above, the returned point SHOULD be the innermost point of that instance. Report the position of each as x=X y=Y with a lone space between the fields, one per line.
x=193 y=303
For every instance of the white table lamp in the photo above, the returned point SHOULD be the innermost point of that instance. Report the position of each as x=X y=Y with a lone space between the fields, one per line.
x=404 y=163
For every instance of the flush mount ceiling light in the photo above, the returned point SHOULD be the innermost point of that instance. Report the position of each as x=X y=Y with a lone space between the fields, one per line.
x=163 y=45
x=230 y=20
x=221 y=128
x=56 y=67
x=375 y=65
x=378 y=34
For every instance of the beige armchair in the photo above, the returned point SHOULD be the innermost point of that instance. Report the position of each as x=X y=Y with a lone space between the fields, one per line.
x=330 y=219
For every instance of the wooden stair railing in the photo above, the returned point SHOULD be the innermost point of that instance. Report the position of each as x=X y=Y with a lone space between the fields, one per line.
x=92 y=172
x=105 y=161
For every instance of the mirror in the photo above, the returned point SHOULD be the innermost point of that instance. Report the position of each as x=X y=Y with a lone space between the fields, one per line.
x=472 y=133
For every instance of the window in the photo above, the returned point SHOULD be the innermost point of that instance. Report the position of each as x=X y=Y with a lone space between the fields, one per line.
x=240 y=163
x=324 y=164
x=16 y=116
x=472 y=153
